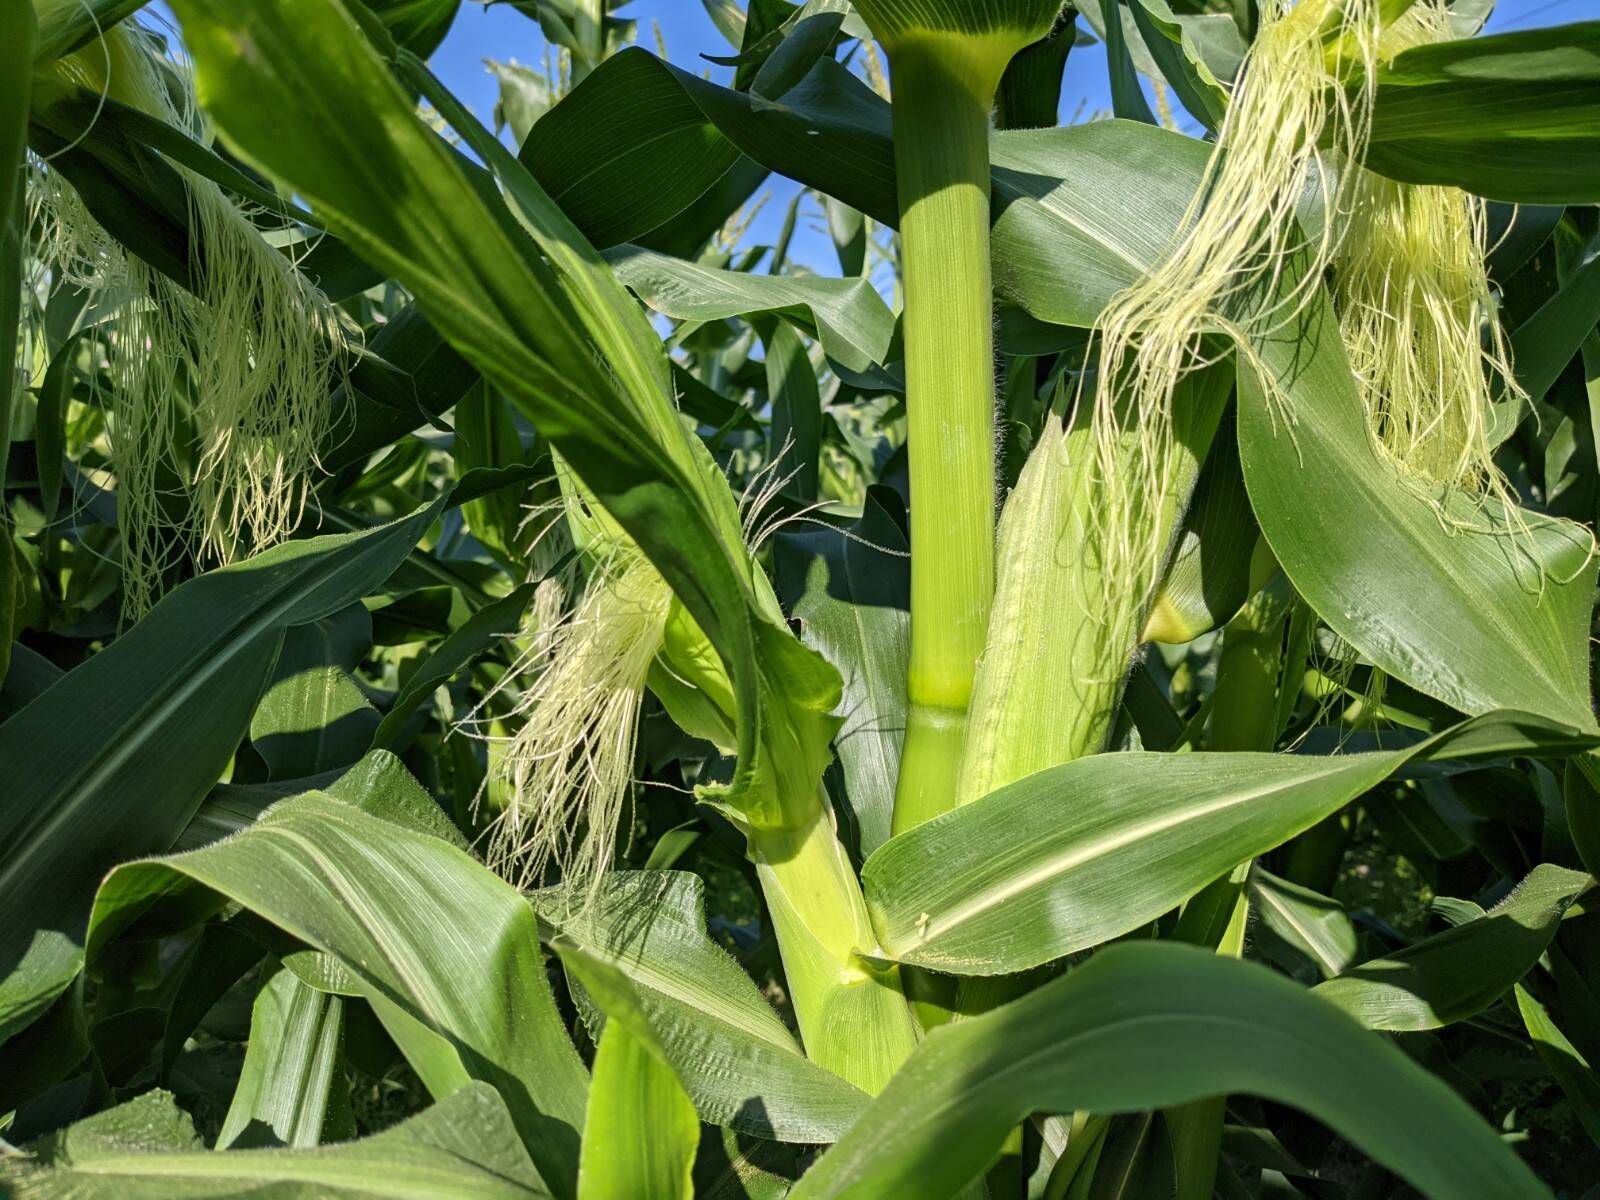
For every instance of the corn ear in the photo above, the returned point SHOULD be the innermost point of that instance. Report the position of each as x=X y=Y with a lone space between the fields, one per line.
x=1065 y=627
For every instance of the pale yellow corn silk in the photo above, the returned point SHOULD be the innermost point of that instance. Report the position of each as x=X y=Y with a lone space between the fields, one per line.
x=1418 y=318
x=1303 y=101
x=567 y=772
x=221 y=395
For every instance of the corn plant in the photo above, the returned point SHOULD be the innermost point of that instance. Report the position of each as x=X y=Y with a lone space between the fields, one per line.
x=510 y=686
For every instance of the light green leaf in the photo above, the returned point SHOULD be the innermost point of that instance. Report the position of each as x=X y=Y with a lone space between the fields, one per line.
x=641 y=1133
x=1577 y=1078
x=846 y=315
x=1146 y=1026
x=291 y=1068
x=463 y=1148
x=1477 y=607
x=737 y=1060
x=445 y=951
x=851 y=592
x=1013 y=23
x=65 y=25
x=1462 y=971
x=378 y=784
x=1313 y=924
x=1075 y=855
x=113 y=759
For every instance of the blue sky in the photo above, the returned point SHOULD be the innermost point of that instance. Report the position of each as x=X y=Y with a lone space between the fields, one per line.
x=500 y=32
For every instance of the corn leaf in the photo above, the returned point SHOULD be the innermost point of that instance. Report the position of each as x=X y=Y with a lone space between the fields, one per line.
x=303 y=95
x=1478 y=607
x=377 y=898
x=1313 y=924
x=418 y=25
x=66 y=25
x=1011 y=21
x=1151 y=1026
x=113 y=760
x=666 y=155
x=290 y=1089
x=1579 y=1080
x=739 y=1063
x=313 y=717
x=851 y=592
x=846 y=315
x=641 y=1131
x=484 y=628
x=464 y=1147
x=1073 y=856
x=1462 y=971
x=1514 y=116
x=1546 y=342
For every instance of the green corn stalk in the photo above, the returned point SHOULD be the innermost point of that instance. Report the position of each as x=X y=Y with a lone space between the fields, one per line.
x=946 y=59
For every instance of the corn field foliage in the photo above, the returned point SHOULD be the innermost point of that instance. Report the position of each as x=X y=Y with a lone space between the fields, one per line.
x=512 y=686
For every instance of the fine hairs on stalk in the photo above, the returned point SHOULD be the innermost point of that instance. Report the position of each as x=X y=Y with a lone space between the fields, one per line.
x=221 y=394
x=1417 y=314
x=1306 y=85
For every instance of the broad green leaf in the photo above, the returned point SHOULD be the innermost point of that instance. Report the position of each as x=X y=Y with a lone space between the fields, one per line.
x=1514 y=116
x=1146 y=1026
x=1543 y=345
x=666 y=154
x=846 y=315
x=291 y=1070
x=851 y=592
x=1579 y=1080
x=445 y=951
x=463 y=1148
x=303 y=96
x=1462 y=971
x=1075 y=855
x=1030 y=90
x=486 y=626
x=739 y=1063
x=796 y=410
x=1197 y=53
x=641 y=1132
x=113 y=759
x=378 y=784
x=1314 y=925
x=1475 y=606
x=313 y=717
